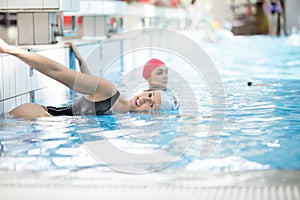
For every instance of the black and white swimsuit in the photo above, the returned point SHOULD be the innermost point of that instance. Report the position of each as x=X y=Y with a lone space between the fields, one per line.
x=84 y=107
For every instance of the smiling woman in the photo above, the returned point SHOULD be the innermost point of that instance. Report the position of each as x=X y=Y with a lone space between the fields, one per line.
x=100 y=95
x=150 y=100
x=155 y=100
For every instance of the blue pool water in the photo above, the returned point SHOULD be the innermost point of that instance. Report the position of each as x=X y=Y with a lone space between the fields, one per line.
x=261 y=126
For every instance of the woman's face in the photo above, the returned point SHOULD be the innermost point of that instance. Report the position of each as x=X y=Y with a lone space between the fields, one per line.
x=149 y=100
x=159 y=78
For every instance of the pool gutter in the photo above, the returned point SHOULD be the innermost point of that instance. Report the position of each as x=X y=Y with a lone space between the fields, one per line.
x=270 y=184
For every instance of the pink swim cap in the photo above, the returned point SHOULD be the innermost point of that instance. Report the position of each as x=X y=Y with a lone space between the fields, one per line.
x=150 y=66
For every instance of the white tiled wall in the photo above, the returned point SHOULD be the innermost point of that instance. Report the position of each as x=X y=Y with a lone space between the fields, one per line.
x=22 y=77
x=91 y=54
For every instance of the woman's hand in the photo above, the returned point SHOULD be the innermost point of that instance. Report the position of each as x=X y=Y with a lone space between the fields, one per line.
x=72 y=45
x=74 y=49
x=82 y=64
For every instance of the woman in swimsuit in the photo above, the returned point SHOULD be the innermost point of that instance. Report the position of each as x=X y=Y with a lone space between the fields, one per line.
x=100 y=95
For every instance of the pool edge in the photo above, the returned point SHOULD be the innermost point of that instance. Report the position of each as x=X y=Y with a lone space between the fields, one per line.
x=268 y=184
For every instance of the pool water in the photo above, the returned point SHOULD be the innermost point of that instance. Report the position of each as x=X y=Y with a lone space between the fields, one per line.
x=261 y=126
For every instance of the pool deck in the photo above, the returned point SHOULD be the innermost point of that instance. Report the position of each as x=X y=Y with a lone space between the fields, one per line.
x=269 y=184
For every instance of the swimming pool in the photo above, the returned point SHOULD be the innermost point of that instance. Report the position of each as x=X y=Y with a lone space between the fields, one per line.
x=261 y=128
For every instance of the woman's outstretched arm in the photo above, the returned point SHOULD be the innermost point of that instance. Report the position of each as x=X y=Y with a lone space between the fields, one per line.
x=82 y=64
x=98 y=88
